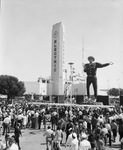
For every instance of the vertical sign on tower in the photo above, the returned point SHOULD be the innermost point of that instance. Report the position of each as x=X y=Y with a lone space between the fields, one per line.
x=57 y=68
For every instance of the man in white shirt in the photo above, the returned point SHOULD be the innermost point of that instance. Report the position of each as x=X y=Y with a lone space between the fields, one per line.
x=20 y=118
x=48 y=133
x=7 y=120
x=2 y=145
x=74 y=142
x=84 y=124
x=84 y=144
x=6 y=123
x=104 y=133
x=69 y=140
x=104 y=130
x=100 y=119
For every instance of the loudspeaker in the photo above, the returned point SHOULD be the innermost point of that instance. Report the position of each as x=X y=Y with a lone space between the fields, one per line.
x=121 y=100
x=79 y=99
x=103 y=99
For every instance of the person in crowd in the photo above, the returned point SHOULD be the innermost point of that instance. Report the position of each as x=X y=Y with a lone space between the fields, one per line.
x=12 y=119
x=11 y=144
x=61 y=122
x=48 y=133
x=70 y=138
x=108 y=127
x=76 y=129
x=36 y=119
x=84 y=143
x=2 y=145
x=40 y=118
x=74 y=142
x=6 y=124
x=59 y=137
x=79 y=119
x=88 y=119
x=69 y=127
x=97 y=130
x=84 y=126
x=104 y=133
x=114 y=128
x=20 y=118
x=44 y=120
x=101 y=119
x=100 y=145
x=33 y=120
x=94 y=122
x=54 y=120
x=17 y=134
x=92 y=140
x=121 y=145
x=121 y=130
x=24 y=121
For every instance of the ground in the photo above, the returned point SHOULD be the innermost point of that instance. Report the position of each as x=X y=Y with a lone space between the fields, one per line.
x=34 y=140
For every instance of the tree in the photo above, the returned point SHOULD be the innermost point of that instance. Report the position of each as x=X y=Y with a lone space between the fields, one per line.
x=115 y=92
x=121 y=92
x=11 y=86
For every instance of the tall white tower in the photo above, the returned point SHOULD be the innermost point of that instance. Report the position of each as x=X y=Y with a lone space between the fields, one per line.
x=57 y=68
x=83 y=74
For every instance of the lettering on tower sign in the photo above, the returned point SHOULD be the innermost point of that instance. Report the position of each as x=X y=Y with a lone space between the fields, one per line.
x=55 y=54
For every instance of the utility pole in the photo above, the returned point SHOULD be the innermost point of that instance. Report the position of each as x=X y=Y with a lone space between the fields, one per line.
x=71 y=79
x=83 y=74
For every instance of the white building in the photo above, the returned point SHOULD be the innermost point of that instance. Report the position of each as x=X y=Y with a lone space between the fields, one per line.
x=42 y=87
x=32 y=87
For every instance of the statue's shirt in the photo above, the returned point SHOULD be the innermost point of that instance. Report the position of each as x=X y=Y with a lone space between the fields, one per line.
x=91 y=68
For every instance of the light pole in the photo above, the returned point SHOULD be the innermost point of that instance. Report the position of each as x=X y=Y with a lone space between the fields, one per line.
x=108 y=91
x=118 y=80
x=50 y=89
x=71 y=78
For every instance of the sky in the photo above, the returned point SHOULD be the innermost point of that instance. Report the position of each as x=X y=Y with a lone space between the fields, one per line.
x=25 y=37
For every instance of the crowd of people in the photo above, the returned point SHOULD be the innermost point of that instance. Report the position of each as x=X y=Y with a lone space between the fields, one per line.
x=85 y=128
x=81 y=127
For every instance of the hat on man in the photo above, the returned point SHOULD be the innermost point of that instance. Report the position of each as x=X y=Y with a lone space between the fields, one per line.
x=84 y=136
x=74 y=135
x=91 y=57
x=70 y=129
x=11 y=139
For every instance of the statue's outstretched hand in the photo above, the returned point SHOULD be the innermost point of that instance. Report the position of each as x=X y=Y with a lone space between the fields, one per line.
x=111 y=63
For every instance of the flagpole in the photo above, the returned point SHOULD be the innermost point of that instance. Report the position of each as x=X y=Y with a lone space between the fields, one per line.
x=82 y=57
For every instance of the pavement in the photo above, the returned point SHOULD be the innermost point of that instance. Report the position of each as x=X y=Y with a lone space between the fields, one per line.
x=34 y=140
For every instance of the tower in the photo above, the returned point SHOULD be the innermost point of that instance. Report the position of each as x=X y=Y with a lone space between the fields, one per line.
x=57 y=60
